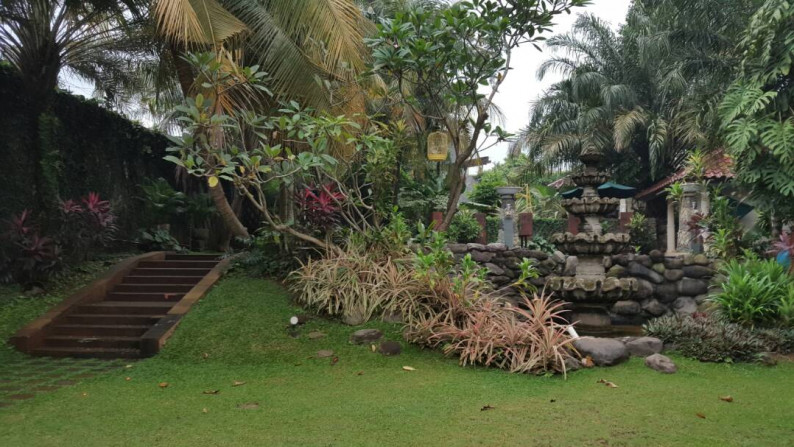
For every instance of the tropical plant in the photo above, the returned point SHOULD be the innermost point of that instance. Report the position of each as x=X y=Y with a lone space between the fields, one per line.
x=484 y=191
x=162 y=201
x=464 y=228
x=157 y=239
x=453 y=59
x=318 y=205
x=86 y=226
x=640 y=233
x=27 y=257
x=675 y=192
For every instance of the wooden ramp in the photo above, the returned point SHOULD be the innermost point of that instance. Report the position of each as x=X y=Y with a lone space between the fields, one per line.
x=128 y=313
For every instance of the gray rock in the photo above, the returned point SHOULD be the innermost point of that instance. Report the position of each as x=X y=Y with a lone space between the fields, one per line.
x=354 y=318
x=616 y=271
x=674 y=263
x=654 y=307
x=692 y=287
x=666 y=292
x=570 y=266
x=656 y=256
x=685 y=305
x=495 y=270
x=607 y=262
x=658 y=268
x=701 y=259
x=661 y=363
x=673 y=274
x=482 y=256
x=622 y=259
x=592 y=319
x=700 y=299
x=643 y=260
x=496 y=248
x=572 y=364
x=546 y=266
x=603 y=351
x=644 y=289
x=644 y=346
x=390 y=348
x=558 y=257
x=362 y=336
x=457 y=248
x=500 y=280
x=512 y=263
x=697 y=271
x=393 y=317
x=626 y=308
x=640 y=271
x=325 y=353
x=473 y=246
x=689 y=259
x=527 y=253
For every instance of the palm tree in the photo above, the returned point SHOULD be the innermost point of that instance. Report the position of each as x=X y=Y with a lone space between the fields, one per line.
x=40 y=38
x=313 y=51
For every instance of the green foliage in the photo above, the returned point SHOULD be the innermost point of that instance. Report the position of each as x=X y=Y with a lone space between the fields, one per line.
x=758 y=121
x=162 y=201
x=641 y=232
x=542 y=244
x=709 y=338
x=420 y=197
x=755 y=292
x=492 y=226
x=157 y=239
x=544 y=228
x=484 y=190
x=200 y=209
x=464 y=228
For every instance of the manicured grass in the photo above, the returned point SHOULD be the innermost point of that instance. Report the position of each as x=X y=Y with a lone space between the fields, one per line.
x=367 y=399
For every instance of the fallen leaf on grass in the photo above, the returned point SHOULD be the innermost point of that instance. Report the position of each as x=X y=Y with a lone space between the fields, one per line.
x=163 y=385
x=700 y=415
x=607 y=383
x=128 y=379
x=205 y=410
x=360 y=373
x=324 y=353
x=726 y=398
x=237 y=383
x=128 y=366
x=211 y=392
x=373 y=348
x=315 y=335
x=409 y=368
x=205 y=356
x=587 y=362
x=486 y=408
x=248 y=406
x=334 y=361
x=85 y=394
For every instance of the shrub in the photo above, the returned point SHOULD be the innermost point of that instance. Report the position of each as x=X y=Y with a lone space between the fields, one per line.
x=162 y=201
x=756 y=292
x=540 y=243
x=484 y=191
x=86 y=226
x=709 y=338
x=157 y=239
x=464 y=228
x=26 y=257
x=641 y=233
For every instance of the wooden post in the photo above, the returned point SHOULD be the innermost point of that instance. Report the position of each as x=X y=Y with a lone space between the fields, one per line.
x=437 y=218
x=670 y=227
x=625 y=220
x=573 y=224
x=483 y=239
x=525 y=227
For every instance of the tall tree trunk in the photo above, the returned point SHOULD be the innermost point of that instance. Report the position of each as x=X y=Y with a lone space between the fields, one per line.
x=457 y=180
x=226 y=212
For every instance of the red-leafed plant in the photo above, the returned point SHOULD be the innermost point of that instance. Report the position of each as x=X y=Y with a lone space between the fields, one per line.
x=786 y=243
x=26 y=257
x=86 y=227
x=320 y=205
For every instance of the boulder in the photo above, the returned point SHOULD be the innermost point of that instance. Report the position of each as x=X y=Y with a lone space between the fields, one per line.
x=607 y=262
x=473 y=246
x=362 y=336
x=496 y=248
x=643 y=260
x=685 y=305
x=572 y=364
x=660 y=363
x=644 y=346
x=658 y=268
x=656 y=256
x=674 y=262
x=323 y=353
x=700 y=299
x=593 y=319
x=500 y=280
x=700 y=259
x=354 y=318
x=482 y=256
x=644 y=289
x=495 y=270
x=626 y=308
x=527 y=253
x=667 y=292
x=390 y=348
x=673 y=274
x=457 y=248
x=570 y=266
x=692 y=287
x=654 y=307
x=689 y=259
x=546 y=266
x=558 y=257
x=622 y=259
x=603 y=351
x=393 y=317
x=616 y=271
x=697 y=271
x=640 y=271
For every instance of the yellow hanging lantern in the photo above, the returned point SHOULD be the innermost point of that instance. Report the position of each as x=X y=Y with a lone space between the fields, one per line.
x=437 y=146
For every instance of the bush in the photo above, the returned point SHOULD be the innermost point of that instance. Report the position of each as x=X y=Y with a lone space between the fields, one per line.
x=546 y=227
x=541 y=244
x=157 y=239
x=86 y=226
x=464 y=228
x=26 y=257
x=709 y=338
x=492 y=226
x=484 y=191
x=642 y=234
x=756 y=292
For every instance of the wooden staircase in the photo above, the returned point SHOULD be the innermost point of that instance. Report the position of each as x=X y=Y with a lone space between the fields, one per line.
x=139 y=309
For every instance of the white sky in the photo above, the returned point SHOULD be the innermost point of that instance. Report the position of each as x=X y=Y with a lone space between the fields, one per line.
x=521 y=86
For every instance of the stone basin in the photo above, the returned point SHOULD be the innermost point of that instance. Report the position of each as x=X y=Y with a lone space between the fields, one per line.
x=591 y=244
x=572 y=288
x=591 y=206
x=590 y=178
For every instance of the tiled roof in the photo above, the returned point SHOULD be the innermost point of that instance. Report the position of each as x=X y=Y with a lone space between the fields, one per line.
x=719 y=166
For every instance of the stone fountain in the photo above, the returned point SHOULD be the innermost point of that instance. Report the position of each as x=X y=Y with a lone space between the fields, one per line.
x=589 y=292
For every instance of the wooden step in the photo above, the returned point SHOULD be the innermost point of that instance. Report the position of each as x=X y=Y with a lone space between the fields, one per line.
x=115 y=330
x=144 y=297
x=92 y=341
x=112 y=319
x=177 y=264
x=152 y=288
x=193 y=257
x=182 y=272
x=86 y=352
x=192 y=280
x=126 y=307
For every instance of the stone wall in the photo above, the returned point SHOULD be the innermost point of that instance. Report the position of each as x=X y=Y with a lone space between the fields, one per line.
x=666 y=285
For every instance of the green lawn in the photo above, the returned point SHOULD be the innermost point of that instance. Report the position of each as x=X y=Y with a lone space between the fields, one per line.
x=367 y=399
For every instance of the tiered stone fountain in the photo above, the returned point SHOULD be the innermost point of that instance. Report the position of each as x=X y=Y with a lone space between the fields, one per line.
x=589 y=291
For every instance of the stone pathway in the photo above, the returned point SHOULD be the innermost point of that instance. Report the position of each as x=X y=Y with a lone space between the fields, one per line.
x=29 y=377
